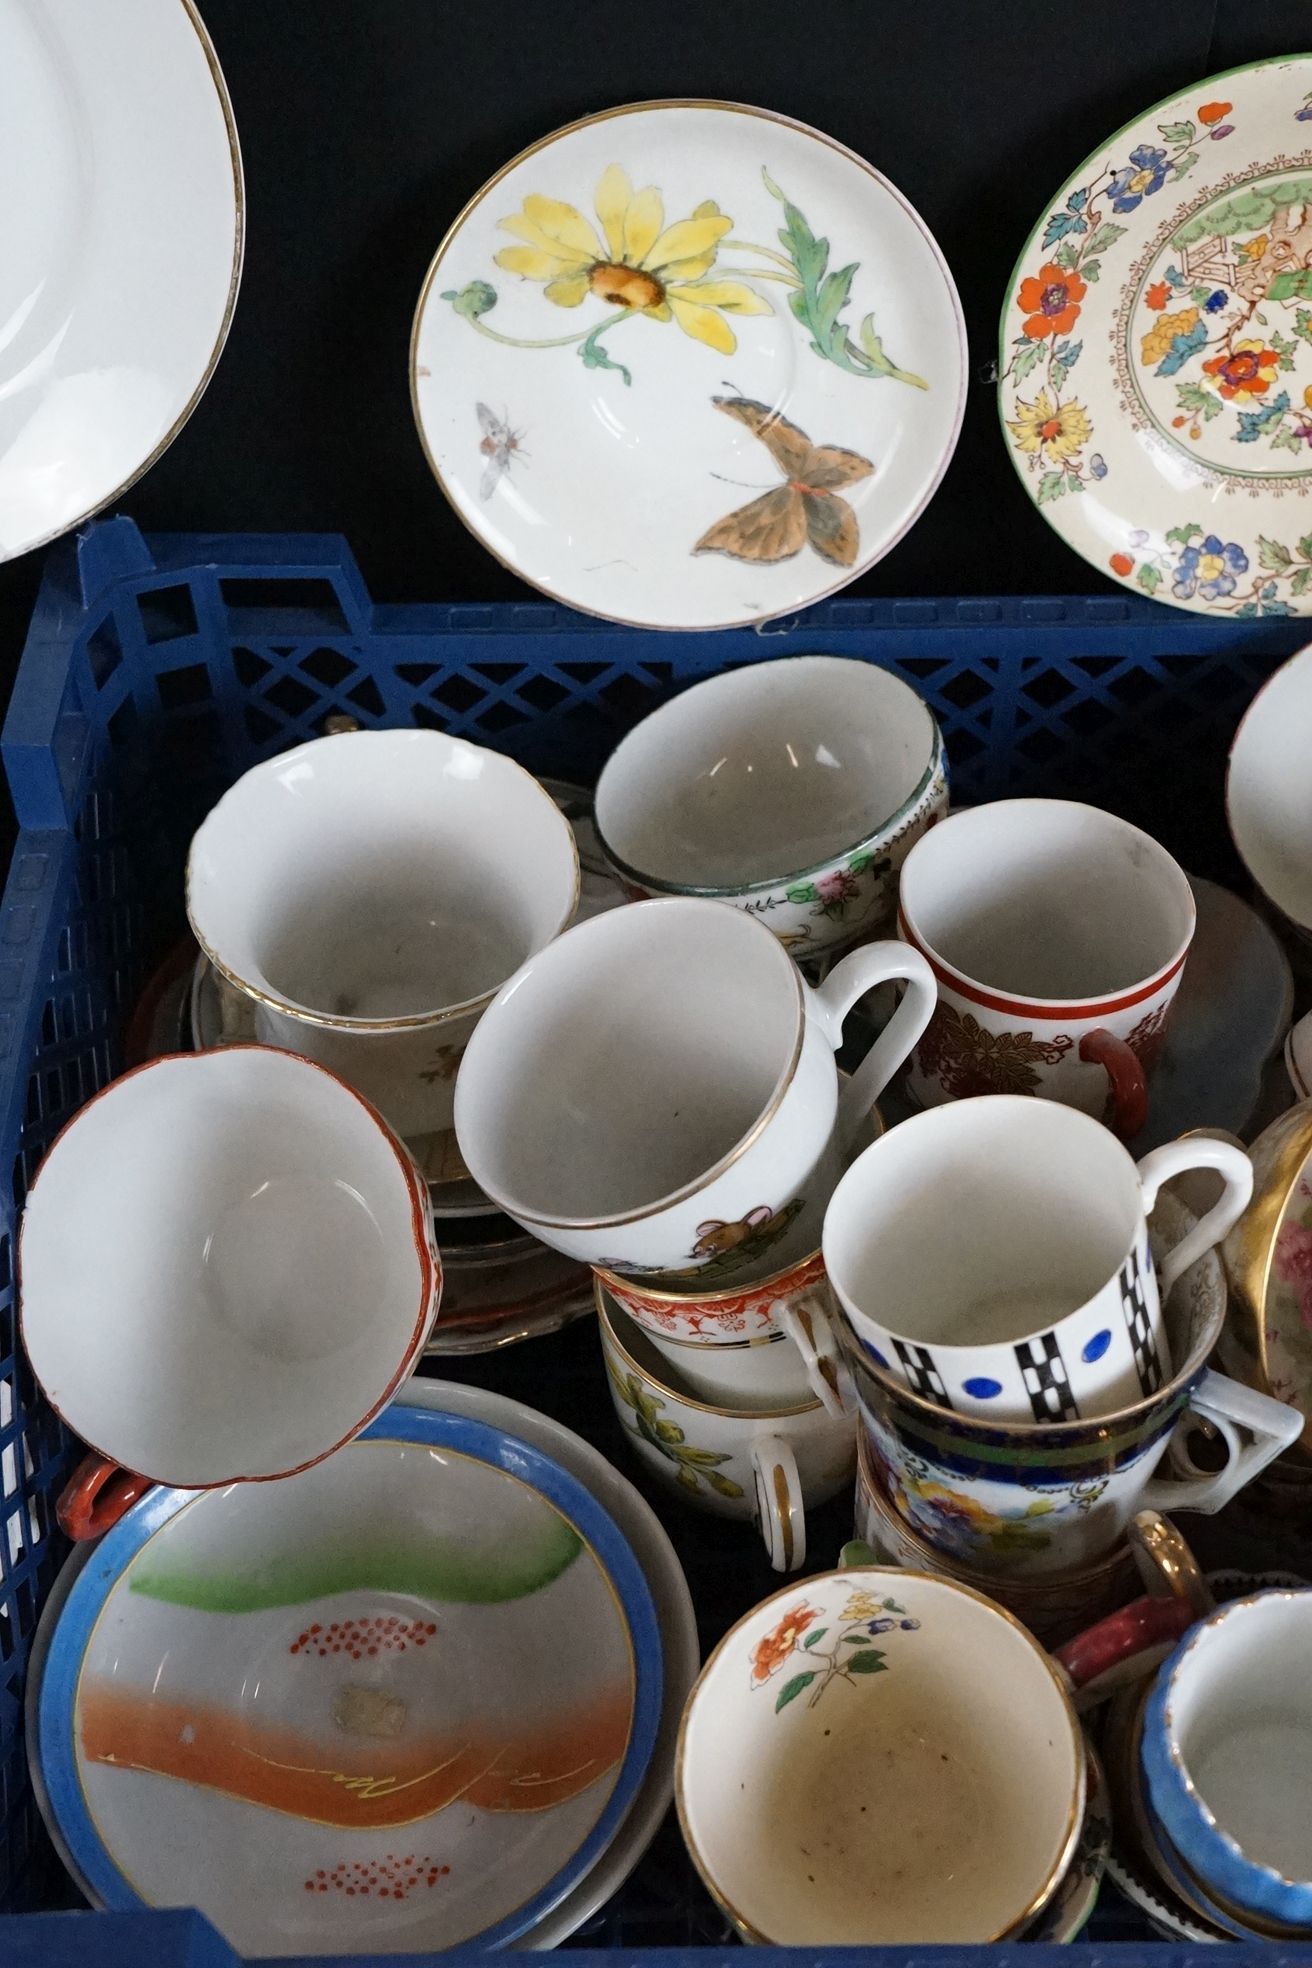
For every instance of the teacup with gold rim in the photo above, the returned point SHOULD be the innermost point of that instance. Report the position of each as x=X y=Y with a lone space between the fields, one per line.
x=370 y=892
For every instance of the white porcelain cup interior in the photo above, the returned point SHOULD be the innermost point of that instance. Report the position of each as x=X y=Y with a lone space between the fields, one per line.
x=1046 y=900
x=224 y=1267
x=1269 y=789
x=932 y=1801
x=380 y=875
x=1241 y=1714
x=763 y=773
x=984 y=1222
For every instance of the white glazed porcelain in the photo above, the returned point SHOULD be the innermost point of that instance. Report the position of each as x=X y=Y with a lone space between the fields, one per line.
x=251 y=1276
x=1268 y=792
x=656 y=1091
x=1029 y=1499
x=610 y=331
x=877 y=1756
x=794 y=789
x=764 y=1465
x=994 y=1255
x=1227 y=1735
x=1153 y=370
x=1057 y=934
x=120 y=260
x=371 y=892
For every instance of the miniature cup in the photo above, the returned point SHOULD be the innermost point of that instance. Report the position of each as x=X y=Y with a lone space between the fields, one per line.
x=1223 y=1756
x=793 y=789
x=757 y=1345
x=370 y=893
x=253 y=1275
x=1019 y=1499
x=764 y=1465
x=656 y=1094
x=1058 y=934
x=936 y=1796
x=1042 y=1303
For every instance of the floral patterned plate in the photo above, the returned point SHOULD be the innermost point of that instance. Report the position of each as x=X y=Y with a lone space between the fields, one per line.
x=688 y=365
x=1155 y=375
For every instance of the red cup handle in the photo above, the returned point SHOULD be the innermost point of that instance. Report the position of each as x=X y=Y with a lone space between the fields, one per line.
x=1123 y=1069
x=1123 y=1647
x=96 y=1495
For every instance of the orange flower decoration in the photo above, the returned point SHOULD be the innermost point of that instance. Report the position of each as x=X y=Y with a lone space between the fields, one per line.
x=1158 y=295
x=773 y=1651
x=1249 y=370
x=1051 y=298
x=1121 y=564
x=1213 y=112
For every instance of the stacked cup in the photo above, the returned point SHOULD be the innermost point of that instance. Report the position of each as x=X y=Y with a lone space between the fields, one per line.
x=1023 y=1355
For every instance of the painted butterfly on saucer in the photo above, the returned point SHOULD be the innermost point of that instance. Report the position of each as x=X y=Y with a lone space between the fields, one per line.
x=1155 y=373
x=597 y=283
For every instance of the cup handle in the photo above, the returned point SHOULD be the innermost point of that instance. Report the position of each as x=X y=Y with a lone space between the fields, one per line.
x=96 y=1495
x=807 y=1324
x=1198 y=1151
x=780 y=1510
x=1272 y=1425
x=1125 y=1072
x=851 y=977
x=1166 y=1564
x=1122 y=1648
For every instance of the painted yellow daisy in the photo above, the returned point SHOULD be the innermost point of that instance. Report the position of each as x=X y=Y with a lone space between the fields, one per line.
x=636 y=262
x=1041 y=427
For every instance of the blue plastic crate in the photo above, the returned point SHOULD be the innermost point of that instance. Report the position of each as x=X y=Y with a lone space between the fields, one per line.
x=156 y=670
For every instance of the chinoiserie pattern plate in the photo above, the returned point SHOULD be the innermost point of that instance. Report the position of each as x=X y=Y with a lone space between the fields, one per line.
x=334 y=1717
x=688 y=365
x=1156 y=349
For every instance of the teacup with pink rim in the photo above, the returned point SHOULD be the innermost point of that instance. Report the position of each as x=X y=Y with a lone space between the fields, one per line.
x=793 y=789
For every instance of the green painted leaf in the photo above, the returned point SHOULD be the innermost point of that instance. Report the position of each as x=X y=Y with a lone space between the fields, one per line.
x=1074 y=483
x=1180 y=536
x=1305 y=546
x=475 y=298
x=1149 y=577
x=1106 y=235
x=803 y=892
x=1057 y=375
x=668 y=1431
x=1284 y=348
x=831 y=300
x=869 y=1662
x=1091 y=270
x=1246 y=612
x=821 y=1631
x=1051 y=486
x=1272 y=555
x=703 y=1458
x=1178 y=133
x=1285 y=439
x=1202 y=402
x=686 y=1479
x=1024 y=360
x=1066 y=255
x=1200 y=294
x=873 y=349
x=891 y=1606
x=1303 y=324
x=792 y=1689
x=1184 y=165
x=594 y=356
x=723 y=1485
x=1299 y=584
x=1295 y=284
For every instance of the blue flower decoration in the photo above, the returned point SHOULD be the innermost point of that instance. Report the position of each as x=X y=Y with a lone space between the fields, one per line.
x=910 y=1626
x=1304 y=115
x=880 y=1626
x=1098 y=465
x=1139 y=179
x=1210 y=568
x=1216 y=300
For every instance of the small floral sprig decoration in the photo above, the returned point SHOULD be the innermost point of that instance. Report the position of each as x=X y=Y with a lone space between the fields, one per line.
x=1196 y=562
x=692 y=1467
x=863 y=1617
x=1048 y=429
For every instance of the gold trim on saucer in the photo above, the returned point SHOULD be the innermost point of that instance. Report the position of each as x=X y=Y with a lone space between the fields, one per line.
x=1248 y=1252
x=736 y=109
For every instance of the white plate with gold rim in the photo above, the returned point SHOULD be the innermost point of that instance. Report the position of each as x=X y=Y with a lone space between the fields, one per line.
x=688 y=365
x=119 y=261
x=1155 y=367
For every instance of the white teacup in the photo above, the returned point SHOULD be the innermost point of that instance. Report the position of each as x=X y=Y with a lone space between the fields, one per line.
x=227 y=1270
x=793 y=789
x=993 y=1255
x=656 y=1091
x=762 y=1464
x=879 y=1757
x=370 y=893
x=1058 y=934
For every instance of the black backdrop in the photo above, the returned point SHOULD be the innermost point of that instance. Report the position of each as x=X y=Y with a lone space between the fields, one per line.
x=365 y=124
